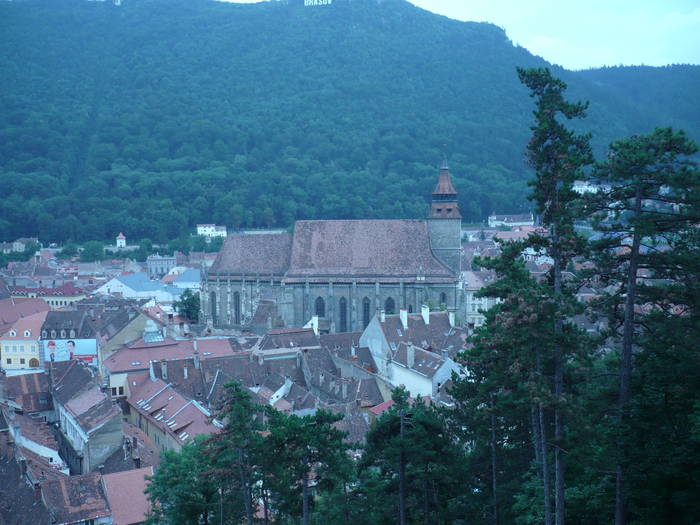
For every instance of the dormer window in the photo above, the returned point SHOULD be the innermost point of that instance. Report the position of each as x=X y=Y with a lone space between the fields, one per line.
x=53 y=334
x=63 y=334
x=27 y=333
x=72 y=334
x=44 y=334
x=13 y=333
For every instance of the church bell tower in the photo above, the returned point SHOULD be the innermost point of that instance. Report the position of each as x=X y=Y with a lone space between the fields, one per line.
x=445 y=222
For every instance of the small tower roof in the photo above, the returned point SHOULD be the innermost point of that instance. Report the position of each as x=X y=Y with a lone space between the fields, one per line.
x=121 y=236
x=444 y=185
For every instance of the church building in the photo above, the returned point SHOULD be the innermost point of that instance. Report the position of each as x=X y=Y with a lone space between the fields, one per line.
x=342 y=271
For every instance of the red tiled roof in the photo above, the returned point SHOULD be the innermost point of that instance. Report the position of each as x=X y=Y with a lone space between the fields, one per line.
x=13 y=309
x=254 y=254
x=126 y=496
x=363 y=248
x=32 y=323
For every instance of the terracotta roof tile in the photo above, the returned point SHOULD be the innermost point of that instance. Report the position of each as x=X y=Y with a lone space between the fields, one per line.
x=126 y=496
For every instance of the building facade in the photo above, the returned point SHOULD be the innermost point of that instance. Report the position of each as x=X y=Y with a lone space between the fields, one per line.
x=343 y=272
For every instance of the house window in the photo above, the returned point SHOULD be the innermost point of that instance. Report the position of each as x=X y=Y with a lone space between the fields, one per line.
x=114 y=391
x=22 y=361
x=9 y=361
x=320 y=307
x=121 y=390
x=34 y=362
x=389 y=306
x=443 y=298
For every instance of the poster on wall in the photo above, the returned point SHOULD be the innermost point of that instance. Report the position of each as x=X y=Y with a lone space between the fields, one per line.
x=65 y=349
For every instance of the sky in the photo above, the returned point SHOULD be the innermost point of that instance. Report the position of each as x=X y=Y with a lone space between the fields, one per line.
x=580 y=34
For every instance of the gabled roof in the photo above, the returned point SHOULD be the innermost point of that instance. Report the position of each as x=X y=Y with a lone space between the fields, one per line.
x=30 y=391
x=363 y=248
x=78 y=320
x=75 y=499
x=30 y=325
x=13 y=309
x=254 y=254
x=437 y=335
x=345 y=249
x=76 y=389
x=424 y=362
x=289 y=338
x=126 y=495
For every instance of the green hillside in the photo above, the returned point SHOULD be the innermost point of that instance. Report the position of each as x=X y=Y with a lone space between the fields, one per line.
x=155 y=115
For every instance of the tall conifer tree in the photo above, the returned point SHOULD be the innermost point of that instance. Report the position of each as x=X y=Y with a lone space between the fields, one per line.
x=558 y=156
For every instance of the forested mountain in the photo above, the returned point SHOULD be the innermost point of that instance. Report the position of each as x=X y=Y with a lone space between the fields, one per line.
x=154 y=115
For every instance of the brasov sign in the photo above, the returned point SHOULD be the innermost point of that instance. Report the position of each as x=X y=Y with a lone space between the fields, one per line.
x=317 y=2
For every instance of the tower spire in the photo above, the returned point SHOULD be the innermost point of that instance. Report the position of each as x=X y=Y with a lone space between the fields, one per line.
x=444 y=200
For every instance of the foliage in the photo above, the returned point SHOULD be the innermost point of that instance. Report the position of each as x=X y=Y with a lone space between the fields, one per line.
x=92 y=251
x=188 y=305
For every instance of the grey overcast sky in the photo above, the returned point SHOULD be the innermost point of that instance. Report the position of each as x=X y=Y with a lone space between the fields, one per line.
x=579 y=34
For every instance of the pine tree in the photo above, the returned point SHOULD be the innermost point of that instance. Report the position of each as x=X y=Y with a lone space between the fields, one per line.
x=558 y=156
x=645 y=209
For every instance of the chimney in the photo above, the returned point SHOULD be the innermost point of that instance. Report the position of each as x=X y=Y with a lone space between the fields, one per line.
x=164 y=369
x=101 y=469
x=261 y=359
x=445 y=354
x=196 y=346
x=37 y=492
x=353 y=351
x=151 y=371
x=425 y=312
x=165 y=332
x=185 y=373
x=382 y=316
x=403 y=313
x=134 y=442
x=22 y=467
x=451 y=317
x=410 y=356
x=345 y=389
x=196 y=357
x=137 y=462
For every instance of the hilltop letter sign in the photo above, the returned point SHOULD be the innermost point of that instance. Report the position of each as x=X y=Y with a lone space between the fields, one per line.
x=317 y=2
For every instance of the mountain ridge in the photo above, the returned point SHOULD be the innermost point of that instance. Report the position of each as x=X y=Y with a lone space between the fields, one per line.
x=125 y=117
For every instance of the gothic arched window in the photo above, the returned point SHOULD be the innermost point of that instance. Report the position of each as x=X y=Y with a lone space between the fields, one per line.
x=236 y=308
x=365 y=312
x=389 y=306
x=212 y=300
x=343 y=315
x=443 y=298
x=320 y=307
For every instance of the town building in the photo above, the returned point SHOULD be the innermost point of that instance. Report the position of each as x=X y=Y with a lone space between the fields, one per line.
x=473 y=307
x=139 y=286
x=509 y=221
x=121 y=241
x=159 y=265
x=211 y=230
x=67 y=335
x=343 y=271
x=20 y=346
x=63 y=296
x=90 y=423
